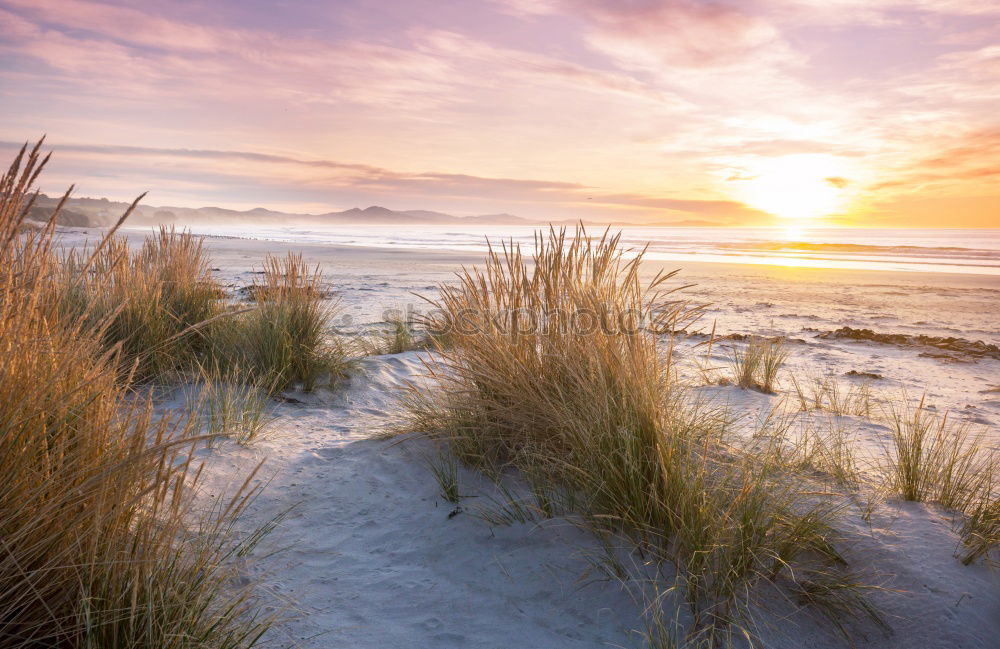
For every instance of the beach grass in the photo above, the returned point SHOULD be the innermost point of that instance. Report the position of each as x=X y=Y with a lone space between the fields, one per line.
x=166 y=318
x=99 y=543
x=396 y=333
x=400 y=336
x=233 y=404
x=553 y=369
x=148 y=303
x=936 y=459
x=444 y=467
x=284 y=340
x=981 y=529
x=757 y=363
x=825 y=448
x=827 y=393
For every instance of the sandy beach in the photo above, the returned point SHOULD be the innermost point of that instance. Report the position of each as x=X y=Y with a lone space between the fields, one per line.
x=800 y=304
x=368 y=553
x=519 y=324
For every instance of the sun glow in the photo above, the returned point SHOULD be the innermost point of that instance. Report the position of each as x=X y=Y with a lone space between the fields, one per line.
x=796 y=186
x=793 y=232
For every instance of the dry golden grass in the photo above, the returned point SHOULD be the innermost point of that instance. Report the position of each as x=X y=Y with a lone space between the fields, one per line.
x=164 y=314
x=395 y=334
x=936 y=459
x=826 y=447
x=149 y=304
x=933 y=458
x=553 y=368
x=756 y=364
x=523 y=343
x=827 y=393
x=232 y=404
x=981 y=529
x=284 y=340
x=400 y=336
x=98 y=545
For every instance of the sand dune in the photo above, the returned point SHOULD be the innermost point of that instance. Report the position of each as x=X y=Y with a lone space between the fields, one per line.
x=371 y=555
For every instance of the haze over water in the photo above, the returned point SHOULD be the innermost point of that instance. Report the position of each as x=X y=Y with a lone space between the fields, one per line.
x=963 y=251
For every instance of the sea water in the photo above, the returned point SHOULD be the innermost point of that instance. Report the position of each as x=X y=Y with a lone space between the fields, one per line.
x=968 y=251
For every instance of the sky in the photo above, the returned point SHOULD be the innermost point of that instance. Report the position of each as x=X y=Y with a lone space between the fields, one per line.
x=871 y=113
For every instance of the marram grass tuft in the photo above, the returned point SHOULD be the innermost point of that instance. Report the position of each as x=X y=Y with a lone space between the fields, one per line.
x=554 y=367
x=99 y=544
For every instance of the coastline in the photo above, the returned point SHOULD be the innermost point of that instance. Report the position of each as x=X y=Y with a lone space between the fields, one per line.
x=369 y=539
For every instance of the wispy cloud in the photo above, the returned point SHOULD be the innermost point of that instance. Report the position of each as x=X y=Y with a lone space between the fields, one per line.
x=638 y=109
x=682 y=33
x=969 y=158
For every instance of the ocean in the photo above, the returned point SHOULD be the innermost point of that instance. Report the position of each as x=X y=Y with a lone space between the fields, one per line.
x=972 y=251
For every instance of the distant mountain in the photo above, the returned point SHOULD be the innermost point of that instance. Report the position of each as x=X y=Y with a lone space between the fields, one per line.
x=103 y=212
x=378 y=215
x=66 y=216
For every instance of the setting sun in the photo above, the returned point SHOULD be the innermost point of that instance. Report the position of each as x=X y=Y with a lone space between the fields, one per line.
x=796 y=186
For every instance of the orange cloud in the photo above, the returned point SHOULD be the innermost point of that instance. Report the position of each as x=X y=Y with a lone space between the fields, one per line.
x=974 y=158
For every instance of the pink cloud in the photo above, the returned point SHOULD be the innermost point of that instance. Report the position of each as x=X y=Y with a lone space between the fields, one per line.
x=114 y=50
x=128 y=25
x=652 y=33
x=633 y=104
x=683 y=33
